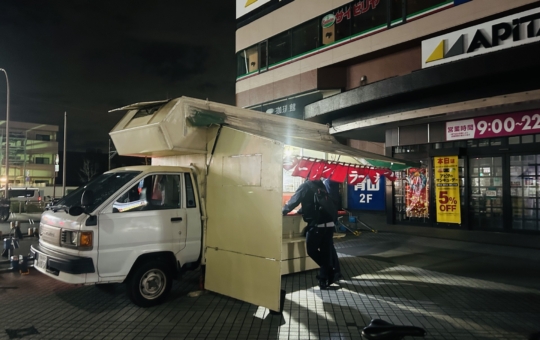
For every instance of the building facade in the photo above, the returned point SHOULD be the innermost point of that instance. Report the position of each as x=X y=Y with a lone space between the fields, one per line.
x=450 y=83
x=32 y=153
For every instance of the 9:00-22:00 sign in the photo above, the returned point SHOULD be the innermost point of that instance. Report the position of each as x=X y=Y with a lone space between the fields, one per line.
x=494 y=126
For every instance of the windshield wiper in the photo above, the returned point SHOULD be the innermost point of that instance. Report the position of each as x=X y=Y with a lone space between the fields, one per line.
x=55 y=208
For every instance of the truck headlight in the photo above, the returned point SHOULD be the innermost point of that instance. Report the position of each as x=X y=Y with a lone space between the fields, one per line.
x=77 y=239
x=73 y=237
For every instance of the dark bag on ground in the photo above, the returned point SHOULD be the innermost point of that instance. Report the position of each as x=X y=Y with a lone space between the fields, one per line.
x=324 y=205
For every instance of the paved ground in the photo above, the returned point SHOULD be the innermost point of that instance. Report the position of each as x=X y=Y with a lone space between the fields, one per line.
x=454 y=289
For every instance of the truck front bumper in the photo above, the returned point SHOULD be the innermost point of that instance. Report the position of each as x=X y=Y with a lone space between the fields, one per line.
x=52 y=262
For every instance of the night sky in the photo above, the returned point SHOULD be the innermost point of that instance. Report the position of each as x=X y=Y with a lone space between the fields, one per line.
x=88 y=57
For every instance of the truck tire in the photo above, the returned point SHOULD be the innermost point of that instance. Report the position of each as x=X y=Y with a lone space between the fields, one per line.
x=149 y=284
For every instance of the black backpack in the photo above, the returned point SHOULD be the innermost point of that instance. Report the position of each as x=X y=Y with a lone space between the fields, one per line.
x=324 y=205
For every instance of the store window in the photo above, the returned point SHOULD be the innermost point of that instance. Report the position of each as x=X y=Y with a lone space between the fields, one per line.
x=460 y=144
x=368 y=15
x=248 y=60
x=524 y=176
x=305 y=37
x=527 y=139
x=416 y=7
x=263 y=56
x=513 y=140
x=396 y=12
x=483 y=142
x=353 y=19
x=496 y=142
x=486 y=203
x=473 y=143
x=279 y=48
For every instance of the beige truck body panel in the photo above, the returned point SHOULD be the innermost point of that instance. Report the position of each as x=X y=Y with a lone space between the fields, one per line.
x=238 y=155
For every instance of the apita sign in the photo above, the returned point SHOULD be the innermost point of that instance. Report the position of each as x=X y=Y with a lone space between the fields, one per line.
x=243 y=7
x=514 y=30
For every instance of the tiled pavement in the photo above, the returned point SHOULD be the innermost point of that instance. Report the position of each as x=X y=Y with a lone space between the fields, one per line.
x=453 y=289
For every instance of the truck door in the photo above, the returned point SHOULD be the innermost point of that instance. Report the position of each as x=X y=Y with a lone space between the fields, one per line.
x=244 y=231
x=148 y=217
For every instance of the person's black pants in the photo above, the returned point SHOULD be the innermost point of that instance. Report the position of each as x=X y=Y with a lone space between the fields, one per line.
x=335 y=260
x=320 y=247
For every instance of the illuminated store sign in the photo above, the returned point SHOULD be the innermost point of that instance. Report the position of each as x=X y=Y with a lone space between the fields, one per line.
x=243 y=7
x=328 y=20
x=367 y=196
x=509 y=124
x=514 y=30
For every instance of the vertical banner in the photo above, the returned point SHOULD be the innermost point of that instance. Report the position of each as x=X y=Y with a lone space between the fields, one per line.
x=417 y=200
x=447 y=189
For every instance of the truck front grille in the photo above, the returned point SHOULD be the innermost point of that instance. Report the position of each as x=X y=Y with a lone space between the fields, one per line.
x=49 y=234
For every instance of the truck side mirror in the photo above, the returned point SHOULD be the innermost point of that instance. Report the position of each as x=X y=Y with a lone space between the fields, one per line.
x=75 y=210
x=87 y=198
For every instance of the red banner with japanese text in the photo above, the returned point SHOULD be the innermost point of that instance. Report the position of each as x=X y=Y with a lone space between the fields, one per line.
x=303 y=168
x=417 y=200
x=447 y=189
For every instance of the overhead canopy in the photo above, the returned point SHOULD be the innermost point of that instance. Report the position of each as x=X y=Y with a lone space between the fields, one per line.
x=393 y=166
x=178 y=121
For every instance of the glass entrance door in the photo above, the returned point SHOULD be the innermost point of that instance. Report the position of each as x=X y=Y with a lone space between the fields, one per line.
x=524 y=173
x=486 y=203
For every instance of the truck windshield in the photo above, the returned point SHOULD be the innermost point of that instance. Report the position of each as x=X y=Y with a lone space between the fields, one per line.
x=103 y=187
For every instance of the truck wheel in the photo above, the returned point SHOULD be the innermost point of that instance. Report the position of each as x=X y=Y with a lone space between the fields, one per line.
x=149 y=284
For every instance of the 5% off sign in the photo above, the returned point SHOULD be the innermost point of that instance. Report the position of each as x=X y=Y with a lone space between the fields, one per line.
x=447 y=203
x=447 y=189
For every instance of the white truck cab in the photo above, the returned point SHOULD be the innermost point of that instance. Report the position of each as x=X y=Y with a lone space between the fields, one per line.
x=212 y=196
x=140 y=224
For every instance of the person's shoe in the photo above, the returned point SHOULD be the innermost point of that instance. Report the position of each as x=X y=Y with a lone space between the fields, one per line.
x=323 y=283
x=334 y=278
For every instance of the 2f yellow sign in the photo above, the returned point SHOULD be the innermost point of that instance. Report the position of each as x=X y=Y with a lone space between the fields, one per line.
x=447 y=189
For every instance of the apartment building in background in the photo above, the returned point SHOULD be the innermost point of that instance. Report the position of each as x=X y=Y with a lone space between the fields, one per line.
x=32 y=152
x=450 y=83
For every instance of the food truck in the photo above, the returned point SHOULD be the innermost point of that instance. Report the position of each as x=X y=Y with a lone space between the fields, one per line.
x=209 y=197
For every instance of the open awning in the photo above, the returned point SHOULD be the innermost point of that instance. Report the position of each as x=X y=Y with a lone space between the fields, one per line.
x=290 y=131
x=179 y=127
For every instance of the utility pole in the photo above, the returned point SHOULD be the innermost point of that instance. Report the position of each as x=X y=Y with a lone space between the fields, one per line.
x=64 y=165
x=56 y=168
x=7 y=134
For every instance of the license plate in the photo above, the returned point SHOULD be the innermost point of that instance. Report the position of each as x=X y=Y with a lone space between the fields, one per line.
x=42 y=262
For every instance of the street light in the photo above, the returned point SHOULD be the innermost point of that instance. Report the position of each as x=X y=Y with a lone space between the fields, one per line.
x=7 y=133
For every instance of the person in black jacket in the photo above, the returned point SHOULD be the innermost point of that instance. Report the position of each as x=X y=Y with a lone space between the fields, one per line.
x=319 y=237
